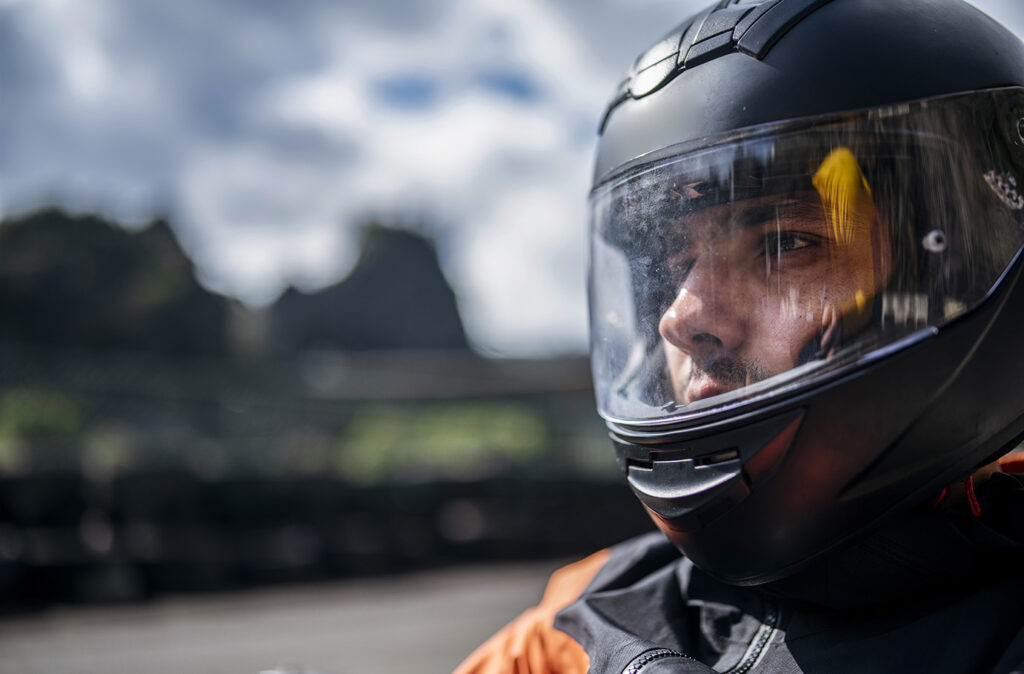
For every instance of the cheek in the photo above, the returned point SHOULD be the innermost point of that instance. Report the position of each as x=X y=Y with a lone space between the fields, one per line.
x=781 y=327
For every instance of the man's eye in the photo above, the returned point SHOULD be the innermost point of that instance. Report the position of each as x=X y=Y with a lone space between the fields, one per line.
x=786 y=242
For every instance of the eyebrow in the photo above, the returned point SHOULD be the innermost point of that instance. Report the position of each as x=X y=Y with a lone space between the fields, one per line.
x=757 y=216
x=751 y=217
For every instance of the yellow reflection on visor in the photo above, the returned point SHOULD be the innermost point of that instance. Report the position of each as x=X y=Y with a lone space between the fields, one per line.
x=850 y=212
x=845 y=194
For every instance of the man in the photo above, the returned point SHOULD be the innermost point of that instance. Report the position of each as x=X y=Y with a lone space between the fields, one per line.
x=806 y=315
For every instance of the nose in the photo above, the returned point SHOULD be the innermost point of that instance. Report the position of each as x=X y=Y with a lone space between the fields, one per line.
x=708 y=314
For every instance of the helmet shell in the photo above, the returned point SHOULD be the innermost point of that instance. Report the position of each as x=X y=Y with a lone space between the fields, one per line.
x=814 y=58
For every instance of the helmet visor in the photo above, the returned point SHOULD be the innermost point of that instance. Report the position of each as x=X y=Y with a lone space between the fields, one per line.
x=785 y=254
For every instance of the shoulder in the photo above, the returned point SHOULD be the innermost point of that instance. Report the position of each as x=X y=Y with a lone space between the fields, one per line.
x=530 y=644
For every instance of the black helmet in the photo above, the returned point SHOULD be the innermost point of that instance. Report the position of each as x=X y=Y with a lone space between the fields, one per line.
x=805 y=294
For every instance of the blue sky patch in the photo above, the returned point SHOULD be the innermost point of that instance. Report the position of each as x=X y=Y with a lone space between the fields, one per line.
x=407 y=92
x=516 y=85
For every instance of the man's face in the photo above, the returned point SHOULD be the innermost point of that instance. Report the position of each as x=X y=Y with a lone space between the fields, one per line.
x=761 y=280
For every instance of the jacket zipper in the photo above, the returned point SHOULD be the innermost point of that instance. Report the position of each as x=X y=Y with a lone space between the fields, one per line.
x=647 y=657
x=761 y=639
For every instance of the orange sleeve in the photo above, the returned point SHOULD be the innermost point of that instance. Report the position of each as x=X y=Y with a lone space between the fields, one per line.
x=530 y=644
x=1012 y=462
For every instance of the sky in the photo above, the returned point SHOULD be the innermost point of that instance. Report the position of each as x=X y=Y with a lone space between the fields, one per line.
x=269 y=132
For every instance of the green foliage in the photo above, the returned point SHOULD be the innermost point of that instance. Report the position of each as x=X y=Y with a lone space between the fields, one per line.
x=459 y=440
x=38 y=413
x=34 y=415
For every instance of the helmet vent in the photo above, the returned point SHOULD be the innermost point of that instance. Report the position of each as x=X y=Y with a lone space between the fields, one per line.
x=717 y=457
x=758 y=37
x=1005 y=187
x=749 y=27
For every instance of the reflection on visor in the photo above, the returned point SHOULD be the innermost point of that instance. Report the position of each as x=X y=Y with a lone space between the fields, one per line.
x=725 y=274
x=850 y=210
x=845 y=193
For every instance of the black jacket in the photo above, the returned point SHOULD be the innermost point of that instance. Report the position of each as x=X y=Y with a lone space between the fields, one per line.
x=938 y=591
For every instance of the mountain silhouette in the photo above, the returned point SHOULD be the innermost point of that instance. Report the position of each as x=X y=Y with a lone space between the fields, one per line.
x=82 y=282
x=395 y=298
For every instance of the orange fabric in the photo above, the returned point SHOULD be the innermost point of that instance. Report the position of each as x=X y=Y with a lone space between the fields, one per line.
x=530 y=644
x=1013 y=462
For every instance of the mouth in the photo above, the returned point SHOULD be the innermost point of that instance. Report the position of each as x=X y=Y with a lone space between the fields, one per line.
x=701 y=387
x=718 y=377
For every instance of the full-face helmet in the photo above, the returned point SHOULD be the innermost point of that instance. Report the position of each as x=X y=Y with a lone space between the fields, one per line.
x=805 y=296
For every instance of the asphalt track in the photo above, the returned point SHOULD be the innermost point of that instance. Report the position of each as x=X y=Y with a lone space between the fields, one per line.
x=424 y=622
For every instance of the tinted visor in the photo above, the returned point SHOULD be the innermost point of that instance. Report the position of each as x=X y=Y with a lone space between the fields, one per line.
x=789 y=253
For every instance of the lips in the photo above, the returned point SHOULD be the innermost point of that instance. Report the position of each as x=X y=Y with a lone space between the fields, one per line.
x=719 y=376
x=702 y=386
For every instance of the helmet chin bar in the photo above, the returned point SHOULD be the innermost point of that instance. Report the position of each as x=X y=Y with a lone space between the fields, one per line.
x=688 y=485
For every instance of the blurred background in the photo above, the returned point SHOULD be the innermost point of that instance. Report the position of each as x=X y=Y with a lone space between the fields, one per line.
x=292 y=301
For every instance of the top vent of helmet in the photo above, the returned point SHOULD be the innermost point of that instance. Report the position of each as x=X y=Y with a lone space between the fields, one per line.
x=749 y=27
